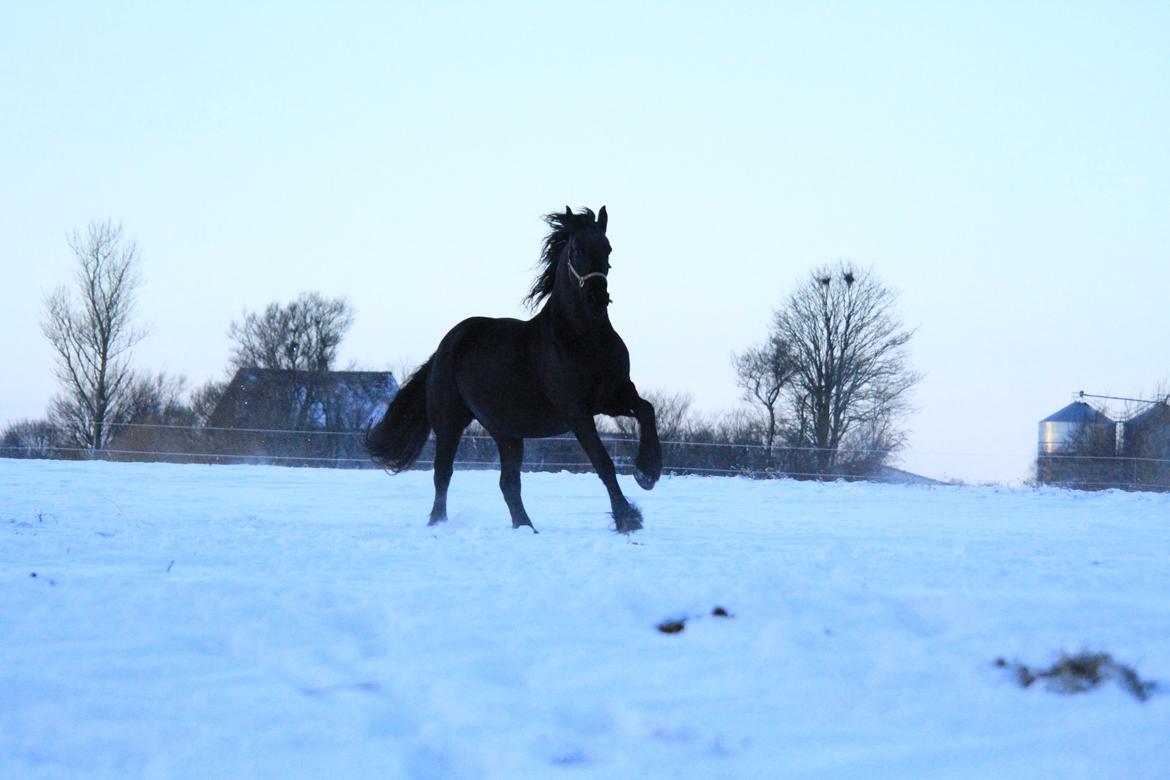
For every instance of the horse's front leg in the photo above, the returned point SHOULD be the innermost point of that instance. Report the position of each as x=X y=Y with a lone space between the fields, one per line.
x=648 y=462
x=626 y=516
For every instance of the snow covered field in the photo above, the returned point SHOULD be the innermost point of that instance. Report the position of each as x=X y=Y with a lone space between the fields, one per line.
x=250 y=621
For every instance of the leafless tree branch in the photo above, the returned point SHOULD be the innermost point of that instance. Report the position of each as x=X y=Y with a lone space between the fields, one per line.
x=850 y=364
x=92 y=332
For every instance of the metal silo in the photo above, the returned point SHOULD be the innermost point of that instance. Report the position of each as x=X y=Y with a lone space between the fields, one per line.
x=1147 y=433
x=1059 y=431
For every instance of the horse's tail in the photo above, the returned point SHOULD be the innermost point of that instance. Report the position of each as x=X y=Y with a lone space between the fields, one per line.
x=396 y=440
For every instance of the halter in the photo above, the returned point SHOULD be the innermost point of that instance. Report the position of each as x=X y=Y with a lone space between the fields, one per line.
x=581 y=279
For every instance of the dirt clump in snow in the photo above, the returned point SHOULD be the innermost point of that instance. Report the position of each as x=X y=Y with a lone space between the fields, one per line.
x=676 y=625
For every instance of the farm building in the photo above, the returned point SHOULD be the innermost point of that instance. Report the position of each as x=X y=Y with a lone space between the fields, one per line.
x=1081 y=446
x=1145 y=443
x=299 y=416
x=1064 y=431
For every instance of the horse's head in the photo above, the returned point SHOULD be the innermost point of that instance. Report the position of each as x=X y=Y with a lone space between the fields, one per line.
x=575 y=262
x=586 y=260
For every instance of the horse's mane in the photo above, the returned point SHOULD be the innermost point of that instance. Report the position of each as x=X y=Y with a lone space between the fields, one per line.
x=563 y=224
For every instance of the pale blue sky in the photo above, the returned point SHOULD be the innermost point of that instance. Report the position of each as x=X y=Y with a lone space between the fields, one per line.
x=1004 y=166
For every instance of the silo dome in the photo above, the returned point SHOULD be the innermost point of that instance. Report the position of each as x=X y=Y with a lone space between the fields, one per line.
x=1058 y=431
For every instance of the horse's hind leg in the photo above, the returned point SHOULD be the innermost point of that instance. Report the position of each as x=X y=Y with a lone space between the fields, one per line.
x=445 y=447
x=446 y=444
x=511 y=456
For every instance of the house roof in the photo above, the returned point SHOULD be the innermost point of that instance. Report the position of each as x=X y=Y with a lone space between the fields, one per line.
x=249 y=397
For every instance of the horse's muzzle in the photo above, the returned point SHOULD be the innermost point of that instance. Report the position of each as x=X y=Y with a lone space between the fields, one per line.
x=596 y=299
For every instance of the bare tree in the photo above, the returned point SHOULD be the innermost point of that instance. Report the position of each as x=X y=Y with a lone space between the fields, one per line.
x=158 y=399
x=298 y=340
x=205 y=398
x=92 y=333
x=156 y=422
x=30 y=439
x=302 y=335
x=852 y=377
x=763 y=372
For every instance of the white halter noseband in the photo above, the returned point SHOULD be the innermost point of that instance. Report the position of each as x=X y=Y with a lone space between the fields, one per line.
x=581 y=279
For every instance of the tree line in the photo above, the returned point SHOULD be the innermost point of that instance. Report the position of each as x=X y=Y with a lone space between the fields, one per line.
x=103 y=401
x=825 y=391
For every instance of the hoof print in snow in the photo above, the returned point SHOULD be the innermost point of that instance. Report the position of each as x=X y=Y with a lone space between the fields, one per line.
x=574 y=758
x=1082 y=672
x=328 y=690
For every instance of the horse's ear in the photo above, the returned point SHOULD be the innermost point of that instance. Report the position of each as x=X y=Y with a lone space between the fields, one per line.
x=602 y=219
x=568 y=211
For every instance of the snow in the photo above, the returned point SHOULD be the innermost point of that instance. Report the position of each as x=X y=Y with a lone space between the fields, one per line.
x=216 y=621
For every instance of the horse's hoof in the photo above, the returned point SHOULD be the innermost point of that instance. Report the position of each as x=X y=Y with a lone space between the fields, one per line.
x=628 y=521
x=644 y=480
x=436 y=521
x=525 y=525
x=628 y=526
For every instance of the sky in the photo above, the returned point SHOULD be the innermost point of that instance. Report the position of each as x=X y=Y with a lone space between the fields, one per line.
x=1003 y=166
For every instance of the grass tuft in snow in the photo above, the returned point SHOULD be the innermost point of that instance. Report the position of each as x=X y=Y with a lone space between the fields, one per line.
x=1082 y=672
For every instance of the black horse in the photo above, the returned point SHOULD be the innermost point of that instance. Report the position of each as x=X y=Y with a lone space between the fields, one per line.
x=529 y=379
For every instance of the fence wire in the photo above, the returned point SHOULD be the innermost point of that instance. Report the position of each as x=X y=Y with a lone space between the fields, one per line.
x=344 y=449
